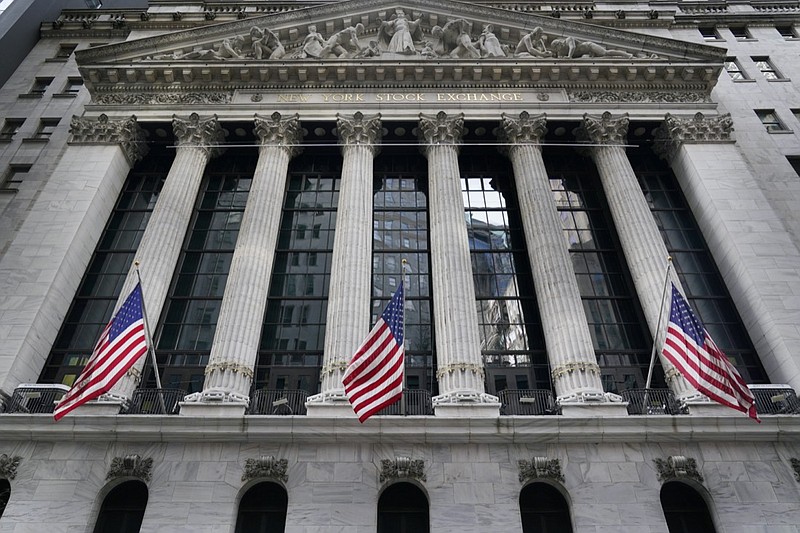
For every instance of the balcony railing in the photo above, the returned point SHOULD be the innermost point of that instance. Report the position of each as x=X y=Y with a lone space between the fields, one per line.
x=527 y=402
x=35 y=398
x=775 y=399
x=155 y=402
x=415 y=402
x=278 y=402
x=652 y=402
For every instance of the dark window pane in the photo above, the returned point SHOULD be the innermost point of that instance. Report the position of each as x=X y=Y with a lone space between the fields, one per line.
x=684 y=509
x=123 y=509
x=403 y=508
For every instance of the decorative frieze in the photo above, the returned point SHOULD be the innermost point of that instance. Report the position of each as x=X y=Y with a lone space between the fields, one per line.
x=284 y=133
x=266 y=466
x=402 y=468
x=645 y=97
x=145 y=98
x=677 y=467
x=699 y=129
x=8 y=466
x=540 y=468
x=101 y=130
x=130 y=466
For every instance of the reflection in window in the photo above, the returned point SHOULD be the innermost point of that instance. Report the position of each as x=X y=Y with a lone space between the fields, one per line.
x=620 y=337
x=293 y=335
x=97 y=293
x=544 y=509
x=685 y=509
x=694 y=264
x=123 y=509
x=403 y=508
x=734 y=69
x=10 y=128
x=5 y=495
x=400 y=231
x=512 y=341
x=193 y=303
x=767 y=69
x=262 y=509
x=770 y=120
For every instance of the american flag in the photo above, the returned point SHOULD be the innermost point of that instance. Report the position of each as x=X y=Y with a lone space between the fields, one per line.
x=374 y=378
x=689 y=347
x=121 y=344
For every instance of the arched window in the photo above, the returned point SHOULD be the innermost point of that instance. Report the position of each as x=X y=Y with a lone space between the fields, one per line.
x=5 y=494
x=685 y=509
x=403 y=508
x=123 y=509
x=544 y=510
x=262 y=509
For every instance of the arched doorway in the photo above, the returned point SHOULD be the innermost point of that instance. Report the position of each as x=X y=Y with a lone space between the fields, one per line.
x=403 y=508
x=263 y=509
x=123 y=509
x=685 y=509
x=544 y=509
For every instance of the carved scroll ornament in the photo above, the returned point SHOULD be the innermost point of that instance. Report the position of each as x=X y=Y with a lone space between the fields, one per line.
x=101 y=130
x=540 y=468
x=8 y=466
x=130 y=466
x=402 y=468
x=676 y=467
x=266 y=466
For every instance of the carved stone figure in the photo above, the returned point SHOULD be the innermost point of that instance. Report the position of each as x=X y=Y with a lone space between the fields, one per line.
x=427 y=51
x=572 y=48
x=371 y=50
x=399 y=33
x=489 y=44
x=265 y=44
x=343 y=43
x=229 y=48
x=534 y=44
x=312 y=44
x=454 y=40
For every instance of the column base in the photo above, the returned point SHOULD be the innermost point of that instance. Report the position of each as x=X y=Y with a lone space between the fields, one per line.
x=209 y=409
x=330 y=404
x=466 y=404
x=592 y=403
x=100 y=408
x=709 y=408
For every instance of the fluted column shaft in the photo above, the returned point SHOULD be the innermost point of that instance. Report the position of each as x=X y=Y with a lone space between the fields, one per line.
x=575 y=372
x=229 y=373
x=641 y=241
x=166 y=229
x=348 y=317
x=458 y=354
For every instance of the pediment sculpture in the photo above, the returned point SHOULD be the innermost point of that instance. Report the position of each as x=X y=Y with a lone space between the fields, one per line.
x=401 y=36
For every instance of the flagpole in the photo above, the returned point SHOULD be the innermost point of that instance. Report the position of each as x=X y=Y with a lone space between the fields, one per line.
x=150 y=348
x=655 y=337
x=404 y=264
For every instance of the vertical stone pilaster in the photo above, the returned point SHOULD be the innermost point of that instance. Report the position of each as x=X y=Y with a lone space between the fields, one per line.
x=348 y=316
x=198 y=140
x=459 y=362
x=229 y=373
x=641 y=241
x=575 y=372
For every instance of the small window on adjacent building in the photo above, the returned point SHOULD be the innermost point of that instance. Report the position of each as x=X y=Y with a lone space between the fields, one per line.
x=734 y=69
x=46 y=128
x=65 y=50
x=73 y=86
x=40 y=86
x=15 y=175
x=767 y=68
x=709 y=33
x=794 y=160
x=786 y=31
x=770 y=120
x=740 y=32
x=10 y=128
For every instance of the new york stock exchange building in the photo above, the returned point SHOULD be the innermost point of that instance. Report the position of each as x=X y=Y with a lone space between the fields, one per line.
x=536 y=174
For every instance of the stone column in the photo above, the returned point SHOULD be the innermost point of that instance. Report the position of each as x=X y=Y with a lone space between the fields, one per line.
x=348 y=318
x=725 y=198
x=63 y=224
x=641 y=241
x=575 y=372
x=458 y=354
x=229 y=373
x=197 y=141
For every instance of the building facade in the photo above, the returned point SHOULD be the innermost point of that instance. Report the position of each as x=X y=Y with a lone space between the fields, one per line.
x=535 y=173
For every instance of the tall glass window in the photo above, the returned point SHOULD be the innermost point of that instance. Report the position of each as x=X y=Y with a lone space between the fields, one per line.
x=263 y=509
x=97 y=293
x=290 y=355
x=685 y=509
x=694 y=264
x=512 y=342
x=190 y=313
x=544 y=509
x=403 y=508
x=400 y=231
x=123 y=509
x=619 y=334
x=5 y=495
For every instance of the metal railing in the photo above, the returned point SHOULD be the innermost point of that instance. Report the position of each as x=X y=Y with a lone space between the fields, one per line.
x=415 y=402
x=155 y=402
x=652 y=402
x=35 y=398
x=775 y=399
x=278 y=402
x=527 y=402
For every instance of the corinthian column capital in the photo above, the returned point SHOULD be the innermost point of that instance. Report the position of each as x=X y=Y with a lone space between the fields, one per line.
x=440 y=129
x=676 y=131
x=360 y=130
x=284 y=133
x=203 y=133
x=526 y=129
x=101 y=130
x=604 y=129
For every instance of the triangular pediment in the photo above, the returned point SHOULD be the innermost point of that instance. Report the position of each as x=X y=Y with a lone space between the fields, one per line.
x=409 y=43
